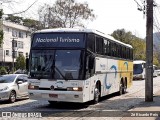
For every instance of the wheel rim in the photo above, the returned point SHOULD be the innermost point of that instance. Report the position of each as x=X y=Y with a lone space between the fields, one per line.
x=13 y=97
x=96 y=95
x=121 y=89
x=125 y=89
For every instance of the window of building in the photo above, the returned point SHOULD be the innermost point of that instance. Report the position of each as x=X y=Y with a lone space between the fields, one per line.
x=7 y=52
x=20 y=44
x=14 y=43
x=20 y=34
x=14 y=33
x=27 y=55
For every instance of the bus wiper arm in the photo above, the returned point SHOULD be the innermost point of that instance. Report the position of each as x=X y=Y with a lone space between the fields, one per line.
x=60 y=73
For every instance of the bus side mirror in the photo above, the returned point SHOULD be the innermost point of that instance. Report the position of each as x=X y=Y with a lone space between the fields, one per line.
x=27 y=64
x=144 y=65
x=91 y=62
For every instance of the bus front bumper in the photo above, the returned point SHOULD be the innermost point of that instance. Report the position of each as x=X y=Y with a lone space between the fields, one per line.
x=62 y=96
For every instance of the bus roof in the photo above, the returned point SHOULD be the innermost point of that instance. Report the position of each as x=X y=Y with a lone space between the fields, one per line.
x=80 y=30
x=138 y=61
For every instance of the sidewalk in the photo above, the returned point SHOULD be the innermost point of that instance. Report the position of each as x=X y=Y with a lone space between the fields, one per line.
x=150 y=110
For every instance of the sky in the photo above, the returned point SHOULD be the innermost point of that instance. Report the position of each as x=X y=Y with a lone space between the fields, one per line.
x=110 y=14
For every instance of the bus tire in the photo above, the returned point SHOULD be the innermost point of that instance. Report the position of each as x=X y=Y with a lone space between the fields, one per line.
x=96 y=95
x=122 y=87
x=52 y=102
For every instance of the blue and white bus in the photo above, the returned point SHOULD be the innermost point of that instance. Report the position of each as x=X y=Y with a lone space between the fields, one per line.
x=78 y=65
x=139 y=69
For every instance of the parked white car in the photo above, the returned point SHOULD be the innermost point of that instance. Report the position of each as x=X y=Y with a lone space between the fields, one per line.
x=13 y=86
x=158 y=72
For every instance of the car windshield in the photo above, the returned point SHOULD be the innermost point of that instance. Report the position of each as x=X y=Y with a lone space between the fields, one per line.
x=56 y=64
x=7 y=78
x=137 y=69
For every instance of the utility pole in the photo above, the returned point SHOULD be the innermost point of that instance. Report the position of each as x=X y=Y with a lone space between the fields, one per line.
x=13 y=53
x=149 y=53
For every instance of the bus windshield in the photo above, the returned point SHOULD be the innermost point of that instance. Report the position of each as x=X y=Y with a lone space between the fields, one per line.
x=56 y=64
x=137 y=69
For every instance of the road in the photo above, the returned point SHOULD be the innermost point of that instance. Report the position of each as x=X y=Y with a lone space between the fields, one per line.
x=114 y=104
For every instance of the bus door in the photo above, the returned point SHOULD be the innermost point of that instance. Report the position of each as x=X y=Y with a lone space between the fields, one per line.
x=89 y=82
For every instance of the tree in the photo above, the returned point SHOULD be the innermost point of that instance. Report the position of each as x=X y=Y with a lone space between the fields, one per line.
x=20 y=62
x=32 y=24
x=65 y=13
x=1 y=30
x=123 y=36
x=1 y=13
x=139 y=45
x=14 y=19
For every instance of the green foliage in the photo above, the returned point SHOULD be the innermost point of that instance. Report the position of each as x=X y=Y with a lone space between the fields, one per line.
x=155 y=59
x=139 y=46
x=139 y=49
x=15 y=19
x=1 y=13
x=1 y=36
x=3 y=71
x=20 y=62
x=32 y=24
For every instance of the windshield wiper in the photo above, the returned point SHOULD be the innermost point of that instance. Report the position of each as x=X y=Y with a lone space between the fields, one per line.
x=60 y=73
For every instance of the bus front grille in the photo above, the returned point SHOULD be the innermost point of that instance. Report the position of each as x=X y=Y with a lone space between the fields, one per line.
x=56 y=89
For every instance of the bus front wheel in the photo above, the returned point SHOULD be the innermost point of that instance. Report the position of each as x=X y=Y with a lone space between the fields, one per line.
x=52 y=102
x=96 y=95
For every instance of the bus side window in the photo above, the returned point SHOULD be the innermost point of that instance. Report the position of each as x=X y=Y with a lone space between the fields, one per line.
x=91 y=42
x=99 y=45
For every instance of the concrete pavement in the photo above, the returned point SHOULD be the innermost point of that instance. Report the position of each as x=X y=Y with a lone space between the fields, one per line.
x=146 y=110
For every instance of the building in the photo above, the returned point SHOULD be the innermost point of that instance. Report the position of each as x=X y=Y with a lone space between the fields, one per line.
x=17 y=34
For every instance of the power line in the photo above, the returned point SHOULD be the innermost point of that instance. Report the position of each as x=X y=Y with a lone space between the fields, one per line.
x=24 y=10
x=138 y=4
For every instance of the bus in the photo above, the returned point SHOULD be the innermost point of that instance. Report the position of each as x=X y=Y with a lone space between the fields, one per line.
x=139 y=69
x=77 y=65
x=155 y=72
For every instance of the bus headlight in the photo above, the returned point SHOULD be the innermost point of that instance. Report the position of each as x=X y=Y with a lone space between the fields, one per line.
x=74 y=89
x=33 y=87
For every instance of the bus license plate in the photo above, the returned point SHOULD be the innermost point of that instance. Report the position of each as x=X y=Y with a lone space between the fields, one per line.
x=53 y=95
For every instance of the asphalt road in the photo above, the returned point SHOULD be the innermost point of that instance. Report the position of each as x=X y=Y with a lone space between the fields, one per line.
x=115 y=105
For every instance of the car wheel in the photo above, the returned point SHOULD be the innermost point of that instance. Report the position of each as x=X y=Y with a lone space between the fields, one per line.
x=12 y=97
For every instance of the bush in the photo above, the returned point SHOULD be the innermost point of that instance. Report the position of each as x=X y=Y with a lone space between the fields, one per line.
x=3 y=70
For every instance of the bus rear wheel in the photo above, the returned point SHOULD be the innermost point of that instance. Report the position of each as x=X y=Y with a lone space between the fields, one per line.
x=122 y=88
